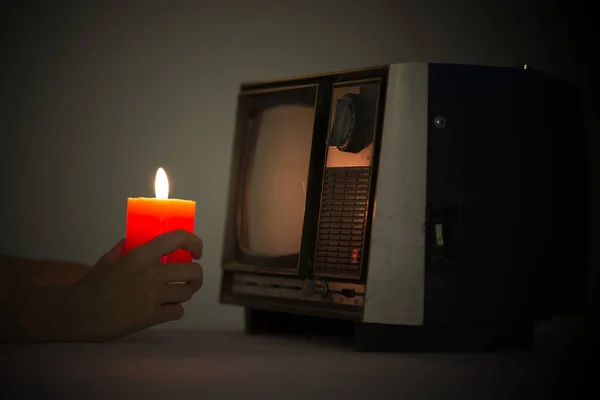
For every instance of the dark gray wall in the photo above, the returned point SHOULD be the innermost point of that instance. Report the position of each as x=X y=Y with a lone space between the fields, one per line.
x=95 y=96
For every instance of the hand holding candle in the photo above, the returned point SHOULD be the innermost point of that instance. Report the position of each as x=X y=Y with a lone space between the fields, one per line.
x=124 y=294
x=150 y=217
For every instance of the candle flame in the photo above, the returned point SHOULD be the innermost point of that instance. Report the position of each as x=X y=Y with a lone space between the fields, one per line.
x=161 y=184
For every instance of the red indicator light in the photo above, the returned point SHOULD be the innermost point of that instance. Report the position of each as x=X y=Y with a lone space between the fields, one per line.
x=354 y=258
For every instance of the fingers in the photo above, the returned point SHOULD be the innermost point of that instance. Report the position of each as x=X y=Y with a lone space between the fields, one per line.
x=196 y=284
x=180 y=272
x=113 y=254
x=167 y=312
x=175 y=293
x=169 y=242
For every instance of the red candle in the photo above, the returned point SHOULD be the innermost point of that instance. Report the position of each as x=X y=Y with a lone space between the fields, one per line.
x=148 y=218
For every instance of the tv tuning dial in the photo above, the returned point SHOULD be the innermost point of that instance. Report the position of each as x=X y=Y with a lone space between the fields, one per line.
x=352 y=129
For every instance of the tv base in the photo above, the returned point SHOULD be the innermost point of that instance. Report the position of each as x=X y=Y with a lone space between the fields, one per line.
x=366 y=337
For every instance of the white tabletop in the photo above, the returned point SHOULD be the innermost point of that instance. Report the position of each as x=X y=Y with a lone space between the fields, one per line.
x=161 y=364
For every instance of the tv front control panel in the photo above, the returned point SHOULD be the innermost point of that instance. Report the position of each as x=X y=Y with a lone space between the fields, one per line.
x=321 y=291
x=342 y=220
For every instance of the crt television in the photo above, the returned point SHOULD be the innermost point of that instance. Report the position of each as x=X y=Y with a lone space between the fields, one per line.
x=412 y=206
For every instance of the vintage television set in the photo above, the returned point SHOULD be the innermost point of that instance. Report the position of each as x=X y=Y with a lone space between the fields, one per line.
x=409 y=206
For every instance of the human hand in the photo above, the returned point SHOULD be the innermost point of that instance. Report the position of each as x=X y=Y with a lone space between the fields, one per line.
x=125 y=294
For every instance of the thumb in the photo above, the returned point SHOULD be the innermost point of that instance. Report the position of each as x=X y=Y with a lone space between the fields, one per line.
x=113 y=254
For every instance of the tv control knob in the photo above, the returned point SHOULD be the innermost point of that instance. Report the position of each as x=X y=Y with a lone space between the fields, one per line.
x=321 y=289
x=312 y=288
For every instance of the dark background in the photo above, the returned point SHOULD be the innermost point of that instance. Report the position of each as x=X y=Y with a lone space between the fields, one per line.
x=95 y=96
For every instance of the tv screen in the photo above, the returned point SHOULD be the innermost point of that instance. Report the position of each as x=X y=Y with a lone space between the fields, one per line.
x=276 y=179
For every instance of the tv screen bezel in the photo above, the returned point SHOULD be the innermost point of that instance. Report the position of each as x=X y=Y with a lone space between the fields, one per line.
x=306 y=96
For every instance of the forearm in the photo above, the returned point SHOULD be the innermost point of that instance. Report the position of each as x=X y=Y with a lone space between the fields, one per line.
x=30 y=273
x=35 y=314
